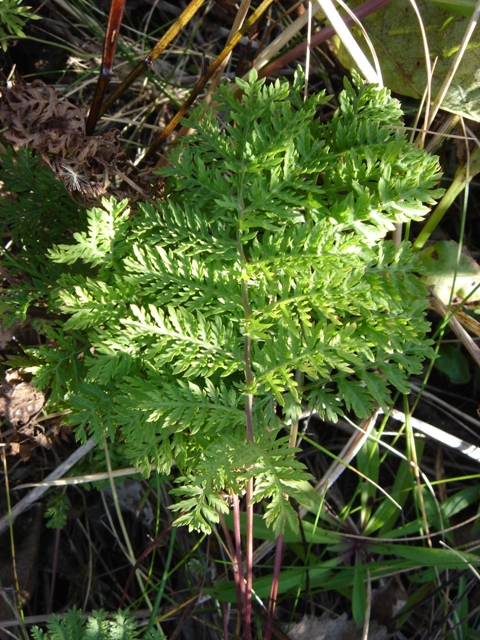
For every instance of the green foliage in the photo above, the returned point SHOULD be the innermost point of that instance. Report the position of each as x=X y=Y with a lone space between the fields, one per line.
x=57 y=509
x=32 y=199
x=13 y=15
x=74 y=626
x=453 y=363
x=263 y=284
x=35 y=211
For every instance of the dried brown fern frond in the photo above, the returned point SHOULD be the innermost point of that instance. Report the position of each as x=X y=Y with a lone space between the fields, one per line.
x=37 y=117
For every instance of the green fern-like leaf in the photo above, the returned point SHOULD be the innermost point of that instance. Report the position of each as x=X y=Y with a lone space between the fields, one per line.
x=13 y=16
x=266 y=265
x=103 y=238
x=97 y=626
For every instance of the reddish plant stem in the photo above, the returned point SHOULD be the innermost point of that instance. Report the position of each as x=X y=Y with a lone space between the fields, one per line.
x=249 y=496
x=115 y=16
x=235 y=551
x=146 y=552
x=224 y=608
x=274 y=589
x=249 y=561
x=249 y=429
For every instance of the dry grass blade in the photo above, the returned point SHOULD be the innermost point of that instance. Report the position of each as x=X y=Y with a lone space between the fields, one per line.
x=440 y=435
x=348 y=453
x=206 y=77
x=37 y=493
x=317 y=38
x=237 y=24
x=349 y=42
x=162 y=44
x=458 y=329
x=83 y=479
x=335 y=470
